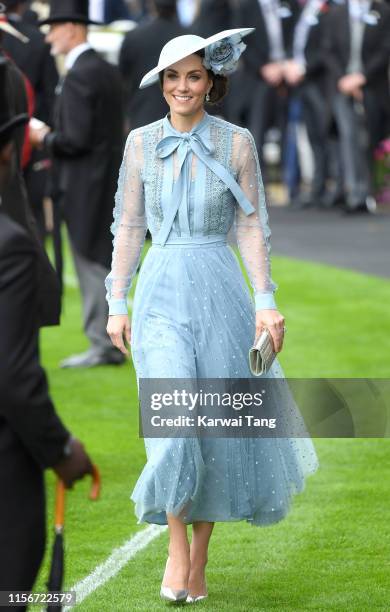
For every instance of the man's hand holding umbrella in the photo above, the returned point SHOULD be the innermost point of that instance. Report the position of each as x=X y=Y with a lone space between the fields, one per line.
x=75 y=464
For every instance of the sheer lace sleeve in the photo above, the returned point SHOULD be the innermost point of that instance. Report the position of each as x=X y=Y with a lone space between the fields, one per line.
x=128 y=228
x=252 y=231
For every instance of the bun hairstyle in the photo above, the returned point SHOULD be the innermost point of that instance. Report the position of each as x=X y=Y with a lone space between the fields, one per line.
x=220 y=83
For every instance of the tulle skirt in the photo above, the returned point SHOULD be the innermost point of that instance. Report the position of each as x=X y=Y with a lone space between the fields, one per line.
x=193 y=318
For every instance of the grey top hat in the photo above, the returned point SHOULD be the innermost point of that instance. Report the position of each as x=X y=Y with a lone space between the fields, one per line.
x=75 y=11
x=8 y=122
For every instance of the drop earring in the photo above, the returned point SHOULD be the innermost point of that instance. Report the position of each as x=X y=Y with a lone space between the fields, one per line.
x=208 y=97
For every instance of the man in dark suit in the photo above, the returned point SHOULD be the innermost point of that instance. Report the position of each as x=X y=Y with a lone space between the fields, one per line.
x=268 y=48
x=32 y=437
x=86 y=145
x=305 y=74
x=139 y=53
x=358 y=46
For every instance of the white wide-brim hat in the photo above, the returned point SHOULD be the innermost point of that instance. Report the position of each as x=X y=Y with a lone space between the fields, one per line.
x=180 y=47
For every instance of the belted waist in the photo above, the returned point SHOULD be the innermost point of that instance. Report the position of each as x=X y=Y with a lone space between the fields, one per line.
x=197 y=241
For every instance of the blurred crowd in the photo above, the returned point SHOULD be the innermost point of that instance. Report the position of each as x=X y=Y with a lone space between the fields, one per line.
x=313 y=86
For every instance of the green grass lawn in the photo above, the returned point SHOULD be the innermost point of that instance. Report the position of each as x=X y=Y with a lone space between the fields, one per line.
x=332 y=552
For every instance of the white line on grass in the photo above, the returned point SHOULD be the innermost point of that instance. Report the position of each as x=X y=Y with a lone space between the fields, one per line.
x=115 y=562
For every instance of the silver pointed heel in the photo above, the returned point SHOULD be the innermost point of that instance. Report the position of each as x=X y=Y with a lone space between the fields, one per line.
x=173 y=595
x=191 y=599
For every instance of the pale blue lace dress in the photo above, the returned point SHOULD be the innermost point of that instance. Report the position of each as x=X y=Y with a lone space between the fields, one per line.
x=193 y=315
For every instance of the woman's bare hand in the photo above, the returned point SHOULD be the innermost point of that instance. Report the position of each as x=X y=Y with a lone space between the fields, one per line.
x=119 y=330
x=274 y=321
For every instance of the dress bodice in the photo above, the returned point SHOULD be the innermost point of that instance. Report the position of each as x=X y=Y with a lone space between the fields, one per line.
x=190 y=187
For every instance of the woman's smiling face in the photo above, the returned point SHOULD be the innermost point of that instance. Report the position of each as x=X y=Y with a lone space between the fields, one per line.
x=185 y=85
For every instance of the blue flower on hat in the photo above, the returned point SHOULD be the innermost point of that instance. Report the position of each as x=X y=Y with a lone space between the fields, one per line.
x=221 y=57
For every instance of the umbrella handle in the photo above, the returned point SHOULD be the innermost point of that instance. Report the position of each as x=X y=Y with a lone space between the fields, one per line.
x=60 y=506
x=60 y=497
x=96 y=484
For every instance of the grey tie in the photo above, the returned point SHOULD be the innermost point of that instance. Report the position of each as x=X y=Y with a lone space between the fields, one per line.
x=356 y=11
x=60 y=84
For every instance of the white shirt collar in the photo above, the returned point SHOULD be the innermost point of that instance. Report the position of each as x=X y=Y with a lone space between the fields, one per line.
x=73 y=55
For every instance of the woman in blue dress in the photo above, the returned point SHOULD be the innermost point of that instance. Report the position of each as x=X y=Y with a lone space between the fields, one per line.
x=190 y=178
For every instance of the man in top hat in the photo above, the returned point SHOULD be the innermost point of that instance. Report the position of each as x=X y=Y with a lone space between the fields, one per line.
x=358 y=49
x=306 y=76
x=86 y=145
x=32 y=437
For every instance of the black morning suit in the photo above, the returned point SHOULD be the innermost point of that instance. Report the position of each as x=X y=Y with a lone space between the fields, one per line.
x=375 y=59
x=32 y=436
x=265 y=105
x=258 y=48
x=312 y=92
x=86 y=145
x=139 y=53
x=359 y=134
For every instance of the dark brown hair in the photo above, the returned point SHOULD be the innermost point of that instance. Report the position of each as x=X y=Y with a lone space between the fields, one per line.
x=220 y=83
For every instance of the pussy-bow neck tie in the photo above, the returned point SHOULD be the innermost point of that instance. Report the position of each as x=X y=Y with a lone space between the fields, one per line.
x=186 y=143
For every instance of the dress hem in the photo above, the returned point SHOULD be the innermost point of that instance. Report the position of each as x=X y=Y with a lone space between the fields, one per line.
x=268 y=519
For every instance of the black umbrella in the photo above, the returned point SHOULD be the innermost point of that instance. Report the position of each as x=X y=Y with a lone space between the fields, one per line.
x=57 y=561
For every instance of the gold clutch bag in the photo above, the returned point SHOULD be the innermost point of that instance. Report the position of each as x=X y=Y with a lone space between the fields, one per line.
x=262 y=354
